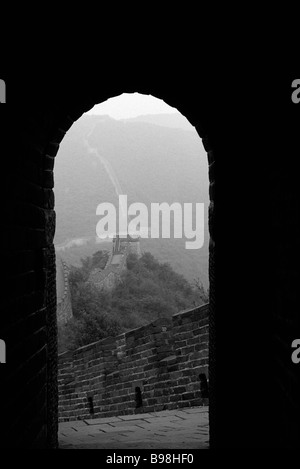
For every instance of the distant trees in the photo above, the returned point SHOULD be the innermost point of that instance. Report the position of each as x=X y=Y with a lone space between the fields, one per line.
x=203 y=293
x=78 y=277
x=81 y=274
x=147 y=290
x=92 y=319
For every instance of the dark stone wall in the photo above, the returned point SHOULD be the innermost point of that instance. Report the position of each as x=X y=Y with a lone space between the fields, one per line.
x=52 y=367
x=163 y=359
x=63 y=305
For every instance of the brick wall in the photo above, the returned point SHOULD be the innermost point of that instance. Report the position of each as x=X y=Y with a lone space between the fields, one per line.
x=109 y=277
x=154 y=367
x=64 y=304
x=27 y=323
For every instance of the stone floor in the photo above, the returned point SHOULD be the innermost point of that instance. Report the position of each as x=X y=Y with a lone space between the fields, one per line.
x=185 y=428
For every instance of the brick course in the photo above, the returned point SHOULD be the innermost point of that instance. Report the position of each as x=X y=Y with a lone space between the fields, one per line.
x=153 y=358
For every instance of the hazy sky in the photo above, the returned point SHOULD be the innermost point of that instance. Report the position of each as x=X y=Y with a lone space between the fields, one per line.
x=131 y=105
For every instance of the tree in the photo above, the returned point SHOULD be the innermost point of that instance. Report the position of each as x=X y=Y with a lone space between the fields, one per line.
x=204 y=294
x=147 y=290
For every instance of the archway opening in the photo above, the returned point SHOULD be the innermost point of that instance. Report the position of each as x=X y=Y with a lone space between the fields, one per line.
x=114 y=152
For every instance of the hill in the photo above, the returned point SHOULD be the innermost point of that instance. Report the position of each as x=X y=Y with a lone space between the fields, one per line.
x=174 y=120
x=100 y=158
x=147 y=290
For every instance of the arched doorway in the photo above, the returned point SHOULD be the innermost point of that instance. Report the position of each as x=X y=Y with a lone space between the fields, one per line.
x=32 y=321
x=112 y=181
x=69 y=123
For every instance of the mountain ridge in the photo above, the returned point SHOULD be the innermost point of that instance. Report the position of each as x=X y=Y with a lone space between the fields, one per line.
x=101 y=156
x=171 y=120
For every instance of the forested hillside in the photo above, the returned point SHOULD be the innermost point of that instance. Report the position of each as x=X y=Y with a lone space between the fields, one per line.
x=148 y=289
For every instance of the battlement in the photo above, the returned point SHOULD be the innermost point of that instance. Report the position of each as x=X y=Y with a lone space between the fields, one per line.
x=109 y=276
x=162 y=365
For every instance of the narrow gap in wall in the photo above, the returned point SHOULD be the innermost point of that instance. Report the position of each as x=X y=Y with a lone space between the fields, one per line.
x=91 y=405
x=138 y=397
x=203 y=386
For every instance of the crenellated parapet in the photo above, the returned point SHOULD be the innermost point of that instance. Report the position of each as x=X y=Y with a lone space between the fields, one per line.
x=109 y=276
x=164 y=363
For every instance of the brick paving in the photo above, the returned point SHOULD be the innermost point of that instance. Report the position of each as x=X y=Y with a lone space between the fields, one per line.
x=185 y=428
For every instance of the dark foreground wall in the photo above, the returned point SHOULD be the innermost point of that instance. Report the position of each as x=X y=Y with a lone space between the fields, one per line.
x=250 y=129
x=163 y=365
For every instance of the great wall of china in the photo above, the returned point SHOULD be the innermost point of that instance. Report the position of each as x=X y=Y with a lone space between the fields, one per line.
x=101 y=278
x=109 y=276
x=162 y=365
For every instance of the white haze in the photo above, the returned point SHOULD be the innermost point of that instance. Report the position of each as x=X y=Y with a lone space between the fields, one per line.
x=129 y=105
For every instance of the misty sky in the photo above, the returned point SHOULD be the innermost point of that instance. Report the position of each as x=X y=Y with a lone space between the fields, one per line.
x=131 y=105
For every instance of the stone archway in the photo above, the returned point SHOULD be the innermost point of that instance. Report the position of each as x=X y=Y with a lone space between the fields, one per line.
x=29 y=324
x=248 y=134
x=49 y=154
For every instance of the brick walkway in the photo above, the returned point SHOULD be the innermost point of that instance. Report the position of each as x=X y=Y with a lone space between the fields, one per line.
x=185 y=428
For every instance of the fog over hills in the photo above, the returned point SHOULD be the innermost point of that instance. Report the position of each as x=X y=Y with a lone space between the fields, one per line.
x=153 y=158
x=174 y=120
